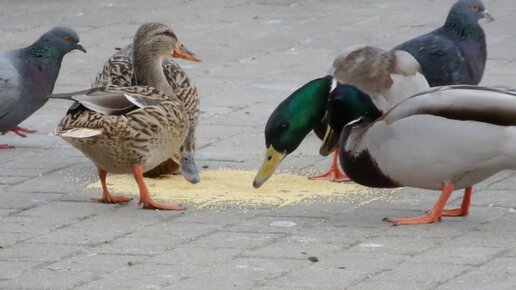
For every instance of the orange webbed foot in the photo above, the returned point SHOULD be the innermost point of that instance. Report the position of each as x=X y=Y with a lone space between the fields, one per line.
x=332 y=175
x=433 y=216
x=145 y=199
x=152 y=204
x=426 y=219
x=455 y=212
x=112 y=199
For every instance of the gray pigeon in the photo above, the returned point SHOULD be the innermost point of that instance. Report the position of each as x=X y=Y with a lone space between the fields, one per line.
x=28 y=75
x=455 y=53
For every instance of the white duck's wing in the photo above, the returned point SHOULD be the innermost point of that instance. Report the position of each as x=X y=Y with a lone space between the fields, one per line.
x=10 y=91
x=389 y=77
x=460 y=102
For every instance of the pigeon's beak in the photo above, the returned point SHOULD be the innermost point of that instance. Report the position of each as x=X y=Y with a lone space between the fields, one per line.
x=485 y=14
x=80 y=47
x=182 y=52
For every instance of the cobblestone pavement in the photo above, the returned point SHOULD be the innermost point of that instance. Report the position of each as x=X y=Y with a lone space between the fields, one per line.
x=255 y=53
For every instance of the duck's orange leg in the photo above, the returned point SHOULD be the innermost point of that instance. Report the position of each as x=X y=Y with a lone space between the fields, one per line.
x=106 y=197
x=333 y=174
x=464 y=208
x=145 y=199
x=433 y=215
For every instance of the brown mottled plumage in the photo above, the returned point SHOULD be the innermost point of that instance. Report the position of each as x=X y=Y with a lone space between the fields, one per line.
x=146 y=135
x=135 y=128
x=118 y=70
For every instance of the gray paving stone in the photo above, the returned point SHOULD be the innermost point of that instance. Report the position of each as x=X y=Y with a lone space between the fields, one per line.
x=138 y=246
x=32 y=225
x=243 y=273
x=393 y=285
x=497 y=274
x=9 y=269
x=26 y=252
x=412 y=272
x=9 y=239
x=465 y=255
x=97 y=264
x=294 y=248
x=244 y=240
x=144 y=276
x=318 y=278
x=368 y=263
x=396 y=245
x=47 y=279
x=278 y=224
x=77 y=235
x=203 y=257
x=20 y=201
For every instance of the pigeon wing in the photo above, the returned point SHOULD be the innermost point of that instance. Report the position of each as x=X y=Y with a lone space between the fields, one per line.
x=10 y=90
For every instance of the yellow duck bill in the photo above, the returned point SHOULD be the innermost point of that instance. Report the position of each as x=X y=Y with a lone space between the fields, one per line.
x=330 y=142
x=272 y=160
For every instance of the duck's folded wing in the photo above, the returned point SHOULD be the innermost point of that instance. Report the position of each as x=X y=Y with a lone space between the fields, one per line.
x=99 y=100
x=112 y=100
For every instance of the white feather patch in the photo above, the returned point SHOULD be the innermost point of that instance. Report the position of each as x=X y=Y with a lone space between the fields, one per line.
x=406 y=64
x=134 y=100
x=333 y=84
x=80 y=133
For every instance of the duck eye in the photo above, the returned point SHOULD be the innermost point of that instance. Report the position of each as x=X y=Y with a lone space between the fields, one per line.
x=68 y=38
x=284 y=126
x=474 y=7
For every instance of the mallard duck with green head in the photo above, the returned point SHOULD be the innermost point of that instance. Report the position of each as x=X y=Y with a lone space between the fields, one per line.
x=388 y=76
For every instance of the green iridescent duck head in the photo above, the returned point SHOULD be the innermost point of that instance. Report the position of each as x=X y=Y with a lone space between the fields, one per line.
x=290 y=122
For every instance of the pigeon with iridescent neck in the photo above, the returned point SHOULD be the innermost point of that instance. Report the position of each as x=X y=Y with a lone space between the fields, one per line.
x=455 y=53
x=28 y=75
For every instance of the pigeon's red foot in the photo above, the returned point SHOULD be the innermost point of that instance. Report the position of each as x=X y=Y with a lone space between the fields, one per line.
x=5 y=146
x=19 y=131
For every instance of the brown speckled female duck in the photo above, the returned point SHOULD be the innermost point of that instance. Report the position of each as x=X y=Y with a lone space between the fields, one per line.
x=118 y=70
x=131 y=129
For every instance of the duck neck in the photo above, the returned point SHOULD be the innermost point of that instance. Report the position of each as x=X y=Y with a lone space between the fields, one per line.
x=149 y=72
